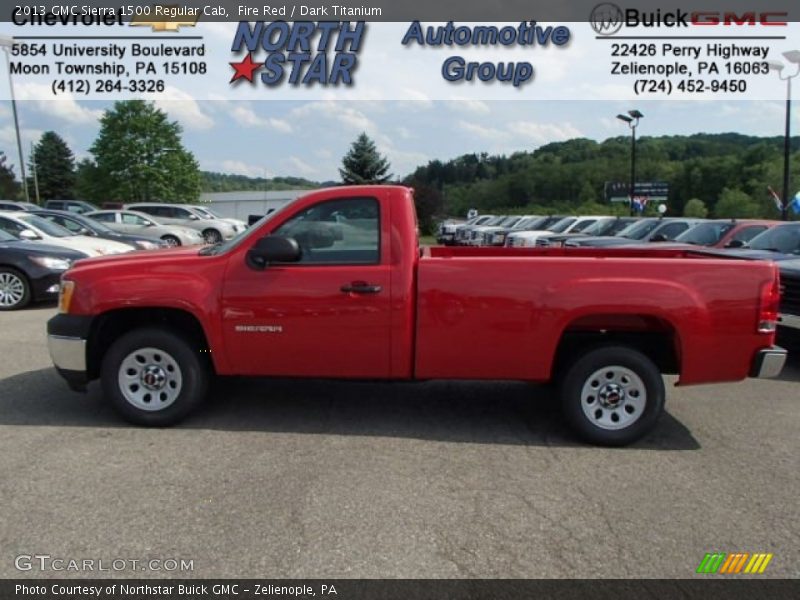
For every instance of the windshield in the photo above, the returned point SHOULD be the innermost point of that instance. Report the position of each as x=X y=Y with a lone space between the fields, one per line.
x=562 y=225
x=783 y=238
x=28 y=206
x=207 y=211
x=242 y=235
x=705 y=234
x=46 y=226
x=583 y=225
x=526 y=222
x=510 y=221
x=7 y=237
x=637 y=231
x=494 y=221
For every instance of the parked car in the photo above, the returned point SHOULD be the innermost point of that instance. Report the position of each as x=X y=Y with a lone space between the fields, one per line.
x=132 y=222
x=446 y=232
x=14 y=206
x=525 y=223
x=31 y=272
x=604 y=227
x=373 y=305
x=779 y=243
x=789 y=316
x=207 y=213
x=214 y=231
x=723 y=233
x=470 y=233
x=463 y=231
x=83 y=225
x=532 y=239
x=32 y=228
x=655 y=229
x=483 y=234
x=74 y=206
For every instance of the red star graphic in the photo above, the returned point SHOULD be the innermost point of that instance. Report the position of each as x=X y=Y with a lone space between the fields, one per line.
x=245 y=68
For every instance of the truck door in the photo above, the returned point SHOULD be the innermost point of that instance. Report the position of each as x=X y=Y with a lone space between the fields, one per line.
x=327 y=315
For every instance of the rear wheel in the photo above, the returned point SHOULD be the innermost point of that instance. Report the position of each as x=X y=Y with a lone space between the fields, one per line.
x=612 y=395
x=154 y=377
x=15 y=291
x=171 y=240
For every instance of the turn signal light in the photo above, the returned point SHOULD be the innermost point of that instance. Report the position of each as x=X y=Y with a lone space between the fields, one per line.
x=65 y=295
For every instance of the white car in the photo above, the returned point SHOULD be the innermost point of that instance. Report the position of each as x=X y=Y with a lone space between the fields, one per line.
x=33 y=228
x=207 y=213
x=531 y=239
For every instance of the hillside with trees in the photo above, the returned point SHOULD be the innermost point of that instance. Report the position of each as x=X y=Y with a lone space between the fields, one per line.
x=727 y=173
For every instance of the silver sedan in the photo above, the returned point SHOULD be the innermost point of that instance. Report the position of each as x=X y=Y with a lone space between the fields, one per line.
x=133 y=222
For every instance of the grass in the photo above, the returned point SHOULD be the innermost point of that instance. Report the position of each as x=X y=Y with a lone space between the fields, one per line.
x=427 y=240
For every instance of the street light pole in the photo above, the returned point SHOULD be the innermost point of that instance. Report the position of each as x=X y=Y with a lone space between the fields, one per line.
x=632 y=119
x=7 y=43
x=792 y=56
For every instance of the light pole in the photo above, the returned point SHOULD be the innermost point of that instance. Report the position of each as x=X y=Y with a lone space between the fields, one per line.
x=793 y=56
x=632 y=119
x=7 y=43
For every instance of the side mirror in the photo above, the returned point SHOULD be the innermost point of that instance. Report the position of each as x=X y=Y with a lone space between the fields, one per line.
x=273 y=248
x=735 y=244
x=30 y=235
x=659 y=238
x=194 y=218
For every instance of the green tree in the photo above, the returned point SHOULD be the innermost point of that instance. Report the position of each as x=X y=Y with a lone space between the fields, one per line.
x=428 y=202
x=695 y=208
x=55 y=167
x=139 y=156
x=9 y=186
x=734 y=203
x=363 y=164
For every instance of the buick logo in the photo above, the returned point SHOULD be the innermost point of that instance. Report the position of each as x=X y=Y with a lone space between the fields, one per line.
x=606 y=18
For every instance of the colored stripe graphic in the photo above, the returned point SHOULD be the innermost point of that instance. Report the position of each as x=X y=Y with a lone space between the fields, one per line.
x=734 y=563
x=711 y=562
x=758 y=564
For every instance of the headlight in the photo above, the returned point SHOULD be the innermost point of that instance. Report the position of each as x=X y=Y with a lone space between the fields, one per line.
x=145 y=245
x=51 y=262
x=65 y=295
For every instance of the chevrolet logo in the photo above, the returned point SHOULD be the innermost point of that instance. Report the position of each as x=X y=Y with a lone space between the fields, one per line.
x=176 y=17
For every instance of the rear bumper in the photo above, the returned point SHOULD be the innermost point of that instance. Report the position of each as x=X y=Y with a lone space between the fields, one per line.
x=67 y=337
x=768 y=362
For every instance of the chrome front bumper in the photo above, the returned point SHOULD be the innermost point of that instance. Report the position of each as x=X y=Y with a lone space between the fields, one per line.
x=768 y=363
x=67 y=353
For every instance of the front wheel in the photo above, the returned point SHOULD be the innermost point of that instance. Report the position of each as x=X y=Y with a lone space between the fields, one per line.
x=613 y=395
x=212 y=236
x=171 y=240
x=153 y=377
x=15 y=292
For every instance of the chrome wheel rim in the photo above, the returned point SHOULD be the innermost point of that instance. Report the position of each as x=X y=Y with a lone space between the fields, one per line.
x=613 y=398
x=12 y=290
x=171 y=241
x=150 y=379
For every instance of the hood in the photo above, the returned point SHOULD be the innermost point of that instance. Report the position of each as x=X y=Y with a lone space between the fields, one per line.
x=143 y=257
x=43 y=250
x=790 y=267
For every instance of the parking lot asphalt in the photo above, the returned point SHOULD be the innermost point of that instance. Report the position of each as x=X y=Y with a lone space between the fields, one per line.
x=287 y=478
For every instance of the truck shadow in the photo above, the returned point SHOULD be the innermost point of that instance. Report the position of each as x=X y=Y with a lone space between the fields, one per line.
x=455 y=412
x=790 y=340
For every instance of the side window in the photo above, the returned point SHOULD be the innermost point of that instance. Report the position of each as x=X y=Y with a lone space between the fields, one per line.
x=150 y=210
x=129 y=219
x=748 y=233
x=66 y=223
x=11 y=227
x=104 y=217
x=344 y=232
x=74 y=208
x=673 y=230
x=180 y=213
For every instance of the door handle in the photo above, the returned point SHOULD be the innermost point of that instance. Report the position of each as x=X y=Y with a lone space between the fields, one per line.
x=360 y=287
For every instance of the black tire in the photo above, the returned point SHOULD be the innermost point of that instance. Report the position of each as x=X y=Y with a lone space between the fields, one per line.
x=191 y=368
x=593 y=417
x=212 y=236
x=19 y=293
x=171 y=240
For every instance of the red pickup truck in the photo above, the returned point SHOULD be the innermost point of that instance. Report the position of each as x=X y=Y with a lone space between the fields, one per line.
x=335 y=285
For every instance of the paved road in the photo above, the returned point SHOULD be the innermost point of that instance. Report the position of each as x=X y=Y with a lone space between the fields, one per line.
x=325 y=479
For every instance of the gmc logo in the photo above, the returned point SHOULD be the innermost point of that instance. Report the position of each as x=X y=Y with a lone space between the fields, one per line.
x=731 y=18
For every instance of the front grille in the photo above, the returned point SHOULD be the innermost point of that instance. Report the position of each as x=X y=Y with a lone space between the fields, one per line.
x=542 y=242
x=790 y=295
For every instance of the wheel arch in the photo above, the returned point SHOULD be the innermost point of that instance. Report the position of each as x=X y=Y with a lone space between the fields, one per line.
x=652 y=335
x=111 y=325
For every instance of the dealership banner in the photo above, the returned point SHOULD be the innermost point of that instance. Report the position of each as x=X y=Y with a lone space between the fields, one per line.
x=410 y=51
